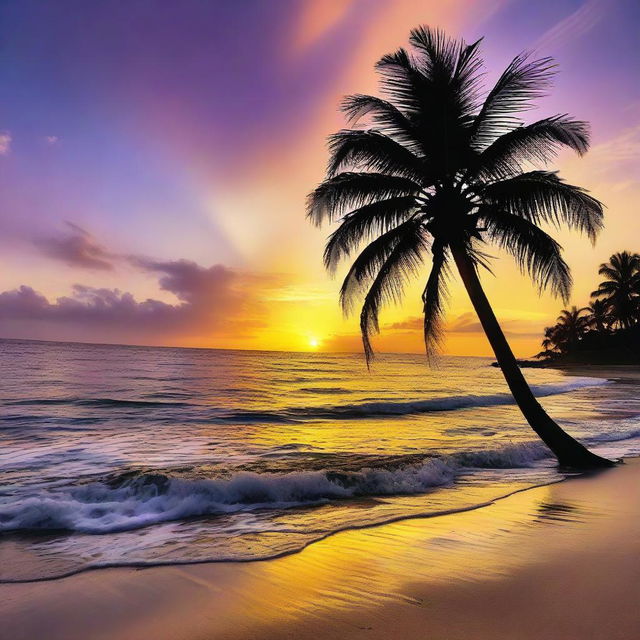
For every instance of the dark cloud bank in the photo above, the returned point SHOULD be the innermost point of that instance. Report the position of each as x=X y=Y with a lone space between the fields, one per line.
x=78 y=248
x=210 y=300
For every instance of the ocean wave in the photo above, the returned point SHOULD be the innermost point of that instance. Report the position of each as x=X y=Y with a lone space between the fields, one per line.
x=616 y=436
x=368 y=409
x=138 y=500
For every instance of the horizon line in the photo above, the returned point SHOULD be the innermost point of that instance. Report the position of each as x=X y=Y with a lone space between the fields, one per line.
x=164 y=346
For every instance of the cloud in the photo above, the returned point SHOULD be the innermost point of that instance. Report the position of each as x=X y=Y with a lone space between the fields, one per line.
x=463 y=335
x=575 y=25
x=210 y=302
x=5 y=143
x=611 y=166
x=190 y=282
x=465 y=323
x=78 y=248
x=410 y=324
x=86 y=305
x=51 y=139
x=621 y=149
x=468 y=323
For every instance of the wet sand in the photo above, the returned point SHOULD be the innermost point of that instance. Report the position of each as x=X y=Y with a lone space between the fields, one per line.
x=554 y=562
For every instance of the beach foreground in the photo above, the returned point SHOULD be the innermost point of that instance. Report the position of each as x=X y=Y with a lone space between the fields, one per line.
x=559 y=561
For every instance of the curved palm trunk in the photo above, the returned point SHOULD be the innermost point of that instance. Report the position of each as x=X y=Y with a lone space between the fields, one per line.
x=569 y=452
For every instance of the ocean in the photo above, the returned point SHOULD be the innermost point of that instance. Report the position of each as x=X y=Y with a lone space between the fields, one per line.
x=121 y=455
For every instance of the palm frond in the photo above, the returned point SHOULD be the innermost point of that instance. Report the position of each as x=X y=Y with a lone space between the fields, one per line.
x=402 y=262
x=538 y=142
x=361 y=224
x=521 y=83
x=621 y=266
x=535 y=252
x=441 y=52
x=542 y=196
x=437 y=90
x=570 y=316
x=613 y=273
x=372 y=151
x=386 y=117
x=368 y=262
x=450 y=62
x=351 y=190
x=403 y=82
x=620 y=291
x=606 y=288
x=478 y=257
x=468 y=78
x=434 y=299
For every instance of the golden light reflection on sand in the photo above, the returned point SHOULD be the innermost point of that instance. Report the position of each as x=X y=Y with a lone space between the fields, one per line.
x=537 y=561
x=366 y=568
x=360 y=568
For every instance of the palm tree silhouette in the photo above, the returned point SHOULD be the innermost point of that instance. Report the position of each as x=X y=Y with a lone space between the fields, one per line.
x=621 y=289
x=445 y=172
x=551 y=342
x=599 y=317
x=571 y=325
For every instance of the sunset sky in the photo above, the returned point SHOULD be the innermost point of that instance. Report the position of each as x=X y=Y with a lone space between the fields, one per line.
x=155 y=157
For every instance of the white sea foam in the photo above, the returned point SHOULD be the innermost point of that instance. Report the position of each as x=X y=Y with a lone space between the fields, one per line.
x=619 y=434
x=150 y=499
x=99 y=508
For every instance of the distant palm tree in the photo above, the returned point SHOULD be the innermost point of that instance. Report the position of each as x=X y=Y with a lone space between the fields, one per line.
x=621 y=289
x=446 y=172
x=564 y=336
x=599 y=317
x=571 y=325
x=551 y=342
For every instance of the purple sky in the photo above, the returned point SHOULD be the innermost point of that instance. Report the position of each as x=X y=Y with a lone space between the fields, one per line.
x=138 y=133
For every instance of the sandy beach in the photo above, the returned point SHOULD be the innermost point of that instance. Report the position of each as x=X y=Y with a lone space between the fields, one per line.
x=559 y=561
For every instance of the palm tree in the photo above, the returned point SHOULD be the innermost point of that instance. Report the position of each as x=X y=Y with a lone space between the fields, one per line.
x=599 y=317
x=551 y=344
x=621 y=289
x=443 y=172
x=571 y=325
x=563 y=336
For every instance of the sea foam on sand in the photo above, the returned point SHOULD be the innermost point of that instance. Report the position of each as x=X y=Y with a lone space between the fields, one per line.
x=558 y=562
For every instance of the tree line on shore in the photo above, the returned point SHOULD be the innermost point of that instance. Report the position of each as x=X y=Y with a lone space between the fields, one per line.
x=610 y=323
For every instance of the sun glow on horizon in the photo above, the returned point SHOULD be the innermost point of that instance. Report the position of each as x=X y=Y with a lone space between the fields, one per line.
x=187 y=228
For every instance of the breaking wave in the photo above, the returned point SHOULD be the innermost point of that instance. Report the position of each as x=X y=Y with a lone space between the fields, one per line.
x=138 y=500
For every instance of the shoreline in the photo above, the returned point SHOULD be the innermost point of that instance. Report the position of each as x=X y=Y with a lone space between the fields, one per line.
x=561 y=549
x=231 y=561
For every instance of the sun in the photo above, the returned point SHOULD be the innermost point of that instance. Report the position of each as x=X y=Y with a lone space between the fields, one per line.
x=314 y=343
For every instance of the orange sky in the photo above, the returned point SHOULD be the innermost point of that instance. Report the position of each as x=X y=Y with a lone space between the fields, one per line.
x=161 y=173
